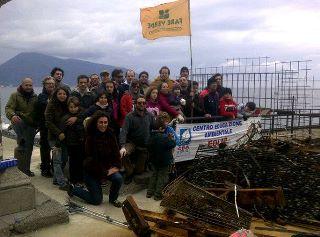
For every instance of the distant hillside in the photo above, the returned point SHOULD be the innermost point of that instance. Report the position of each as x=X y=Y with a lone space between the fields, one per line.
x=37 y=66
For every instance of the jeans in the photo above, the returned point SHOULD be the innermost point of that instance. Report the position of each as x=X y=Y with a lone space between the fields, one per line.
x=25 y=140
x=59 y=160
x=94 y=194
x=45 y=151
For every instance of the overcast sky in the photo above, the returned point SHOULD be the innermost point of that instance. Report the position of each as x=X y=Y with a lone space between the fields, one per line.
x=109 y=32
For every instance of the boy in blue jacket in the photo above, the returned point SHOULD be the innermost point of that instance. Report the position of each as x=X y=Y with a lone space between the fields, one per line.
x=160 y=150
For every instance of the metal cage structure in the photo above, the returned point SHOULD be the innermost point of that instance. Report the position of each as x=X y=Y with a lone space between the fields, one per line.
x=286 y=88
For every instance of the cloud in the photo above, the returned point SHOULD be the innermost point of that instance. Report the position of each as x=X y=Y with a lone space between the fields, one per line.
x=109 y=32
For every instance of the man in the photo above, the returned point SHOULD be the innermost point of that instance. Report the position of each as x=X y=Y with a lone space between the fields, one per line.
x=130 y=76
x=58 y=74
x=164 y=77
x=184 y=72
x=43 y=98
x=144 y=82
x=128 y=99
x=134 y=138
x=20 y=111
x=120 y=86
x=94 y=82
x=105 y=76
x=218 y=79
x=211 y=100
x=83 y=93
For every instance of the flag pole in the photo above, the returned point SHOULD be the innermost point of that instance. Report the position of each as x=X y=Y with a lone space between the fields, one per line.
x=190 y=43
x=191 y=61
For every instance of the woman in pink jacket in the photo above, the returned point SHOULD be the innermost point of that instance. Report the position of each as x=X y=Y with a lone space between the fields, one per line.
x=164 y=102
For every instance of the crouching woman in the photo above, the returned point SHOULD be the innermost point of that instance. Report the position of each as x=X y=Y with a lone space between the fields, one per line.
x=102 y=163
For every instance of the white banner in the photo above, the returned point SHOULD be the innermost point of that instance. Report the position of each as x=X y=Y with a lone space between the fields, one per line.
x=211 y=134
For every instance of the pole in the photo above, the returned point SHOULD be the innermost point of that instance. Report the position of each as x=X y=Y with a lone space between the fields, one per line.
x=190 y=44
x=191 y=61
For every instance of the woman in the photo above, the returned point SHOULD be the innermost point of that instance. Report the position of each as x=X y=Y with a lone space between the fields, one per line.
x=102 y=163
x=153 y=105
x=101 y=104
x=56 y=109
x=165 y=104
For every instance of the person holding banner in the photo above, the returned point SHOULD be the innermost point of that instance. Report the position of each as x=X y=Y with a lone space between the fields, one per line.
x=211 y=100
x=227 y=106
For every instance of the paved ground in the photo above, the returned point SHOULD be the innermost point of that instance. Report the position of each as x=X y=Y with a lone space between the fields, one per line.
x=79 y=225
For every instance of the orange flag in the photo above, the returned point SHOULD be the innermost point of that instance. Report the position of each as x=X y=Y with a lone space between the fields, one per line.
x=166 y=20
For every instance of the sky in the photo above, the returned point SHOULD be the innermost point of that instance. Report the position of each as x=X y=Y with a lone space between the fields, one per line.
x=109 y=32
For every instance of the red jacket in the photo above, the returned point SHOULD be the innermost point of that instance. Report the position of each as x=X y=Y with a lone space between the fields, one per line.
x=165 y=106
x=228 y=108
x=126 y=106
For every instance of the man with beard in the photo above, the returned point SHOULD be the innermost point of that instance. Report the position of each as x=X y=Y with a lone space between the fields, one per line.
x=134 y=138
x=58 y=74
x=43 y=98
x=20 y=111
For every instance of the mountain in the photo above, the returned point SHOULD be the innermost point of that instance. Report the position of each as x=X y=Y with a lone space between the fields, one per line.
x=38 y=65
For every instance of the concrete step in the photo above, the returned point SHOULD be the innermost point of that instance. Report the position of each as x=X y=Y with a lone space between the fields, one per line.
x=12 y=178
x=17 y=199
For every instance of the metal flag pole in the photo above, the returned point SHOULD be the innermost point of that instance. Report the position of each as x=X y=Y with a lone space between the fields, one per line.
x=190 y=44
x=191 y=61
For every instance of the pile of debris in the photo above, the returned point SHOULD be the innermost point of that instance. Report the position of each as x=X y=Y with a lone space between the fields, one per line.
x=270 y=165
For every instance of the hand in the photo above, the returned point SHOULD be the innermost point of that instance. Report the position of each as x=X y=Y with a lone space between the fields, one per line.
x=123 y=152
x=15 y=119
x=71 y=120
x=183 y=102
x=180 y=118
x=112 y=171
x=61 y=136
x=207 y=115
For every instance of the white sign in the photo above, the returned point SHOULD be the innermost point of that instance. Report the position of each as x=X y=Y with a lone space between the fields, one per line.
x=210 y=134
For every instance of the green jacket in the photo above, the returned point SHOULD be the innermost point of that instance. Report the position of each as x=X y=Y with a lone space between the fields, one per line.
x=53 y=116
x=22 y=107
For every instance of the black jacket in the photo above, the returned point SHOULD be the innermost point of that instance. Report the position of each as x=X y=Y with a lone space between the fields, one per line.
x=41 y=105
x=74 y=133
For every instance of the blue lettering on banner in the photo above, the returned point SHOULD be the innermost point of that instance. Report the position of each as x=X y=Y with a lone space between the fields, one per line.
x=218 y=133
x=225 y=124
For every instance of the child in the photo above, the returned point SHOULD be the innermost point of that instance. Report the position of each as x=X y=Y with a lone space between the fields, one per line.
x=169 y=127
x=74 y=140
x=247 y=110
x=160 y=148
x=176 y=98
x=227 y=106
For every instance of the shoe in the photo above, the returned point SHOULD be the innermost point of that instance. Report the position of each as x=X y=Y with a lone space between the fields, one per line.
x=157 y=198
x=116 y=203
x=149 y=195
x=70 y=190
x=30 y=173
x=46 y=173
x=64 y=187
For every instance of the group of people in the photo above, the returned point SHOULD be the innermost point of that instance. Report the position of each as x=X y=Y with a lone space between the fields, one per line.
x=111 y=127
